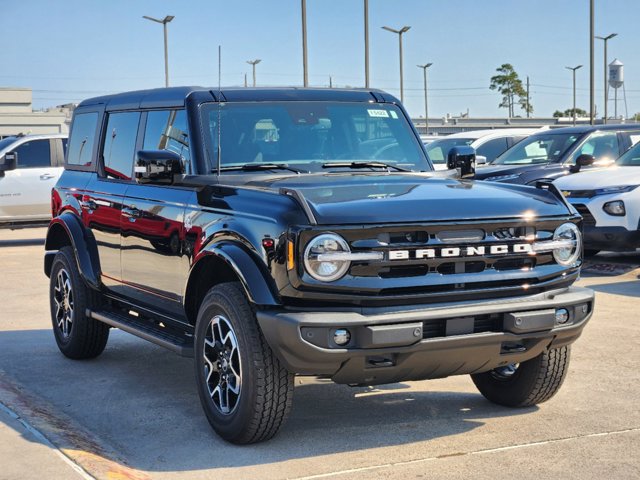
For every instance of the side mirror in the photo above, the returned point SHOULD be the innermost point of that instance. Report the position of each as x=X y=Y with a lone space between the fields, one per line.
x=9 y=162
x=583 y=160
x=462 y=159
x=481 y=160
x=157 y=166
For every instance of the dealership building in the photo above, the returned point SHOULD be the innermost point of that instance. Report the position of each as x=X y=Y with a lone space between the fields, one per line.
x=17 y=114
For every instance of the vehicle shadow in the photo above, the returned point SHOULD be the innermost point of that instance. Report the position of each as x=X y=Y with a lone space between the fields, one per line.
x=630 y=288
x=142 y=402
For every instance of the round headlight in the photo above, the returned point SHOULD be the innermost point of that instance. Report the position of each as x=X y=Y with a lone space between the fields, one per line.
x=569 y=234
x=331 y=268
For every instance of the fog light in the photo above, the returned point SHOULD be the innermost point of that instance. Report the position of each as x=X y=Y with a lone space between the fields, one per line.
x=615 y=208
x=562 y=316
x=341 y=336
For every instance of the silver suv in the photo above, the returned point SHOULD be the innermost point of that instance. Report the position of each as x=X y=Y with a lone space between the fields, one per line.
x=30 y=166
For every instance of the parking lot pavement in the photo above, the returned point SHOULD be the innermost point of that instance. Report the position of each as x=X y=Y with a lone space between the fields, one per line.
x=134 y=412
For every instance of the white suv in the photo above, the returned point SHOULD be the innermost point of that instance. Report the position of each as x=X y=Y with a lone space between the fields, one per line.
x=609 y=201
x=30 y=166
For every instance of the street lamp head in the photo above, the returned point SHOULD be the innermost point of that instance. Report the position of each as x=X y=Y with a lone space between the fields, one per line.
x=573 y=68
x=425 y=66
x=254 y=62
x=608 y=37
x=399 y=32
x=164 y=20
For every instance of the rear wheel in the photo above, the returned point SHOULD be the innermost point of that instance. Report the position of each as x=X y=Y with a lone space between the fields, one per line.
x=77 y=335
x=528 y=383
x=245 y=392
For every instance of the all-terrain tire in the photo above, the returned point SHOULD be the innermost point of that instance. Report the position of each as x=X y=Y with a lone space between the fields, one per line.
x=533 y=382
x=229 y=343
x=77 y=336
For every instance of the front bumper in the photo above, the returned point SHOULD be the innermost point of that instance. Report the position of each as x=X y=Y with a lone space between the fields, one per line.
x=611 y=238
x=397 y=344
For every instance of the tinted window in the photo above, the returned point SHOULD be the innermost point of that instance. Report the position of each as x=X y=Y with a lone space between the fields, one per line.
x=312 y=135
x=83 y=132
x=119 y=144
x=539 y=148
x=493 y=148
x=167 y=130
x=439 y=149
x=36 y=153
x=5 y=142
x=631 y=158
x=602 y=145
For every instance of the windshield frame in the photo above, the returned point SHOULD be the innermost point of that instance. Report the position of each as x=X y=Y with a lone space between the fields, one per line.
x=211 y=150
x=536 y=136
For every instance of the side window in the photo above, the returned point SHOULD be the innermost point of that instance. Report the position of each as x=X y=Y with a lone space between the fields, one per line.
x=34 y=154
x=119 y=144
x=602 y=145
x=83 y=132
x=493 y=148
x=168 y=130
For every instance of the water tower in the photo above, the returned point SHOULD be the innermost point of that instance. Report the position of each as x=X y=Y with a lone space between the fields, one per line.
x=616 y=80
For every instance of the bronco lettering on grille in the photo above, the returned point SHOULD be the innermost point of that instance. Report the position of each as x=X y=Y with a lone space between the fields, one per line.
x=454 y=252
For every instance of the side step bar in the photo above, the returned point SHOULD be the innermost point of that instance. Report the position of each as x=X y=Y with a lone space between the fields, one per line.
x=180 y=344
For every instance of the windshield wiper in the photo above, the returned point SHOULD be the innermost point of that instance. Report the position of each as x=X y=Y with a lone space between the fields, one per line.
x=256 y=167
x=363 y=165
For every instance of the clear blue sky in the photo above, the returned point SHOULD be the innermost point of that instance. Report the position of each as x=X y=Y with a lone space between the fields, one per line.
x=74 y=49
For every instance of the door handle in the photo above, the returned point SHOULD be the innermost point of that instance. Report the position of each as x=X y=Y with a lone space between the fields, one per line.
x=46 y=176
x=88 y=204
x=131 y=212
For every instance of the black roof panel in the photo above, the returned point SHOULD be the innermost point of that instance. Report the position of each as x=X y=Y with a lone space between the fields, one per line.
x=175 y=96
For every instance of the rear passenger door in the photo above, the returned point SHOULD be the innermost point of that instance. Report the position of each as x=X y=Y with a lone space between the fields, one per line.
x=155 y=264
x=26 y=191
x=104 y=195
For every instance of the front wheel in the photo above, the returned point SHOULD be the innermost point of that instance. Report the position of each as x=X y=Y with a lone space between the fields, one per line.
x=527 y=383
x=245 y=392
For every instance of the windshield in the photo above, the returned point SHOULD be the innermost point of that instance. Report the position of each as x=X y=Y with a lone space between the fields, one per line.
x=5 y=142
x=439 y=149
x=539 y=148
x=311 y=136
x=631 y=158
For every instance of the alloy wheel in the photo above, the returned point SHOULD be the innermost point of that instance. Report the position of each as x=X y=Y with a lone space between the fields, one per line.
x=64 y=300
x=221 y=362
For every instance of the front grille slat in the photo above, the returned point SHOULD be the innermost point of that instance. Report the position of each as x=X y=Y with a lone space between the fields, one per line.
x=587 y=219
x=481 y=324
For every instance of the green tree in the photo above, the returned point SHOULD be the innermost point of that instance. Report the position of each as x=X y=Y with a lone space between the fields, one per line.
x=569 y=113
x=636 y=117
x=510 y=87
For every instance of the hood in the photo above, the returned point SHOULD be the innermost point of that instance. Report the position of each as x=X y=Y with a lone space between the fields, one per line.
x=600 y=178
x=482 y=173
x=406 y=198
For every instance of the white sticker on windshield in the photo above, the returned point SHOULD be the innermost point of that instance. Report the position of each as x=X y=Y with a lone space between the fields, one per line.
x=393 y=114
x=378 y=113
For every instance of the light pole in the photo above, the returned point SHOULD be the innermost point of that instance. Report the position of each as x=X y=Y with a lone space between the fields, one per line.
x=399 y=32
x=573 y=69
x=366 y=43
x=305 y=71
x=592 y=72
x=164 y=22
x=426 y=105
x=605 y=86
x=253 y=63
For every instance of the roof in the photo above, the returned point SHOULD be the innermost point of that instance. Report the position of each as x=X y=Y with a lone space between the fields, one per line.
x=498 y=132
x=176 y=96
x=594 y=128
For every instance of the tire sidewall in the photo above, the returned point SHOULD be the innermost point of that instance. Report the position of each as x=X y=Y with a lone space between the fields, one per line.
x=238 y=420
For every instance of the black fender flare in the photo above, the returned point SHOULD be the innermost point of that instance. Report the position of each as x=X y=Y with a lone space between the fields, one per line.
x=81 y=240
x=255 y=280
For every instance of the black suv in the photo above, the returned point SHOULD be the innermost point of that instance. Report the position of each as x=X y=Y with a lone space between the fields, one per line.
x=551 y=154
x=273 y=232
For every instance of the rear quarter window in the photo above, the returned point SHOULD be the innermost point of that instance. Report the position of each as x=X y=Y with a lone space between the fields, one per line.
x=82 y=139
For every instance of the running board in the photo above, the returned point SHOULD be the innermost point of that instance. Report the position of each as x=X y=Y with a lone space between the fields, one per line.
x=180 y=344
